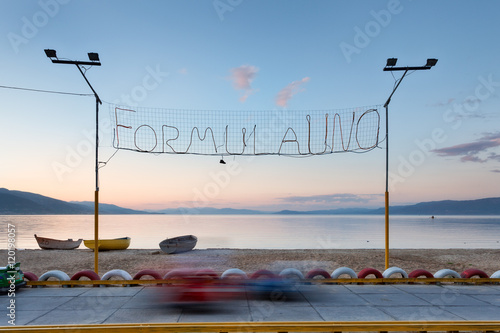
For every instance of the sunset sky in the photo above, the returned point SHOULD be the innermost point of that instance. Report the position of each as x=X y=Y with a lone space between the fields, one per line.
x=241 y=55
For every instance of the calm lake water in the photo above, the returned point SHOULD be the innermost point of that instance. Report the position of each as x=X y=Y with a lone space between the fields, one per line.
x=264 y=231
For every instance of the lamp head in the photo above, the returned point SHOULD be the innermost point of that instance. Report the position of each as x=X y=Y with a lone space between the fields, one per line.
x=93 y=56
x=50 y=53
x=431 y=62
x=391 y=62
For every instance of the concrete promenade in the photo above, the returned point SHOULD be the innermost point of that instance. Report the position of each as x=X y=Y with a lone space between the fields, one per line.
x=398 y=302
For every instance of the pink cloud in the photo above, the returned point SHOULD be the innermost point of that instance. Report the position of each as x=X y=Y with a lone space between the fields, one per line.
x=242 y=78
x=287 y=93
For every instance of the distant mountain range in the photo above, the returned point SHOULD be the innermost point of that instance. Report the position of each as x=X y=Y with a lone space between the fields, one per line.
x=26 y=203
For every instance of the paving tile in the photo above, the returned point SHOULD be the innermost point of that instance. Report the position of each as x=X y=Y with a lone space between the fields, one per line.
x=474 y=290
x=50 y=291
x=488 y=312
x=415 y=313
x=419 y=289
x=41 y=303
x=112 y=291
x=94 y=302
x=491 y=299
x=264 y=312
x=352 y=313
x=154 y=315
x=374 y=289
x=82 y=316
x=393 y=299
x=340 y=299
x=214 y=313
x=24 y=317
x=450 y=298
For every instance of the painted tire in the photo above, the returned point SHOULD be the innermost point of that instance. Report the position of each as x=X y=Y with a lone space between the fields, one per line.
x=291 y=274
x=61 y=276
x=394 y=270
x=343 y=271
x=30 y=276
x=178 y=273
x=87 y=273
x=207 y=273
x=147 y=272
x=446 y=273
x=118 y=273
x=317 y=272
x=420 y=272
x=495 y=275
x=467 y=274
x=263 y=273
x=368 y=271
x=232 y=273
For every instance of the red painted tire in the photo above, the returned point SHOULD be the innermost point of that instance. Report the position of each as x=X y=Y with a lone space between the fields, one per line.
x=263 y=273
x=30 y=276
x=467 y=274
x=367 y=271
x=317 y=272
x=207 y=273
x=147 y=272
x=420 y=272
x=88 y=273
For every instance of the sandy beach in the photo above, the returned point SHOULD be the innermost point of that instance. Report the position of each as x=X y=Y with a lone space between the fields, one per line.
x=134 y=260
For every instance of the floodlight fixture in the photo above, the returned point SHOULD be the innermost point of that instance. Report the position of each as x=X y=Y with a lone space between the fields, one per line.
x=431 y=62
x=50 y=53
x=391 y=62
x=93 y=56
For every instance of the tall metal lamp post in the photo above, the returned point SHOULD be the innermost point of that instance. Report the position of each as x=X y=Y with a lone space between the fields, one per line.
x=93 y=61
x=390 y=67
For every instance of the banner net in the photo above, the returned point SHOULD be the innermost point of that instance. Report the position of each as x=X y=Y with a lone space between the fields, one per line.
x=263 y=132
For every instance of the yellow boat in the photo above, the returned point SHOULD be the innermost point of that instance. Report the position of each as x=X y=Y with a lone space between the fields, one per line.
x=109 y=244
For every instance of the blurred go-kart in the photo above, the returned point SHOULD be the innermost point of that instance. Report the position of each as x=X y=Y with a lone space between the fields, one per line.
x=11 y=277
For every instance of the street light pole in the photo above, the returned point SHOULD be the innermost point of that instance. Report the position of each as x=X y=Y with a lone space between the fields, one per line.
x=390 y=67
x=94 y=61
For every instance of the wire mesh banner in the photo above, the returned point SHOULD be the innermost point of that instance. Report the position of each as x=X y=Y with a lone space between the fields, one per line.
x=271 y=132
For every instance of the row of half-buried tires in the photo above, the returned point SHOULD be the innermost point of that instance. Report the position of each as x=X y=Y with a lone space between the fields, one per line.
x=290 y=273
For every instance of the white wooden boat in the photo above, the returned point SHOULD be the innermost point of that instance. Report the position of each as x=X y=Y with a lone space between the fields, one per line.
x=178 y=244
x=57 y=244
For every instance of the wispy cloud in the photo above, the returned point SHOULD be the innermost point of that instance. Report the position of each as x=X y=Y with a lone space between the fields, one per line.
x=333 y=199
x=469 y=152
x=287 y=93
x=447 y=103
x=242 y=78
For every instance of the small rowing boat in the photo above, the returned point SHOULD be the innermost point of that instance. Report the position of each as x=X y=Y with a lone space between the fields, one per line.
x=57 y=244
x=109 y=244
x=178 y=244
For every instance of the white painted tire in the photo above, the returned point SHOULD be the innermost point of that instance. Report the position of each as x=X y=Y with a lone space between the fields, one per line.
x=344 y=270
x=60 y=275
x=446 y=272
x=495 y=275
x=118 y=273
x=234 y=271
x=394 y=270
x=291 y=273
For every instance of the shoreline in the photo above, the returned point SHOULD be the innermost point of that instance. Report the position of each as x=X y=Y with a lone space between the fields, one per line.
x=39 y=261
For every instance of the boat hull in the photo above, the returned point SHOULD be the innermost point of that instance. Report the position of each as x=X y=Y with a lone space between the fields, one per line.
x=109 y=244
x=178 y=244
x=57 y=244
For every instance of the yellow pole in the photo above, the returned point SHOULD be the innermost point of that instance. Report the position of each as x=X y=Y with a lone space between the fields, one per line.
x=386 y=230
x=96 y=232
